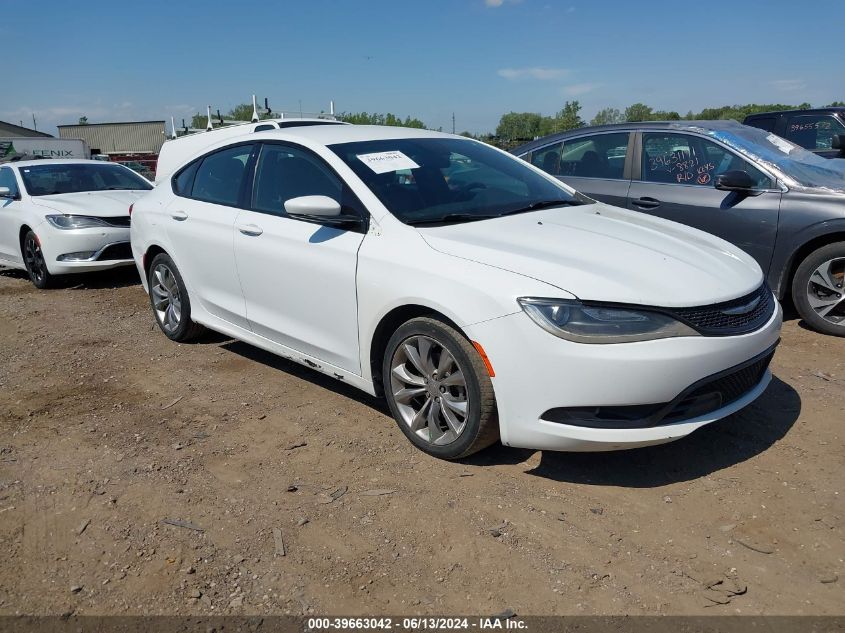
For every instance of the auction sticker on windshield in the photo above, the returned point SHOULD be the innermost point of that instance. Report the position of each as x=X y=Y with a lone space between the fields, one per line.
x=383 y=162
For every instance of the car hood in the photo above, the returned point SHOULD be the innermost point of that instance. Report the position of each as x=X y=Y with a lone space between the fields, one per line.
x=604 y=253
x=105 y=204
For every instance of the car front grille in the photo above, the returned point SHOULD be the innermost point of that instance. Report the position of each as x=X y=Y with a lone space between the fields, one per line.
x=120 y=220
x=120 y=250
x=718 y=391
x=730 y=318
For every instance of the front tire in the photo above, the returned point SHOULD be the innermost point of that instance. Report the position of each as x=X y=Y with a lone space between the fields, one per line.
x=438 y=389
x=170 y=302
x=817 y=289
x=36 y=265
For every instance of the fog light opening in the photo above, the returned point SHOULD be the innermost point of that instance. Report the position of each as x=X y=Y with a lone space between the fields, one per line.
x=80 y=256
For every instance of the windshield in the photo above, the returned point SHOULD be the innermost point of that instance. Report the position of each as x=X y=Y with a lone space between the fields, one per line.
x=48 y=179
x=434 y=180
x=797 y=166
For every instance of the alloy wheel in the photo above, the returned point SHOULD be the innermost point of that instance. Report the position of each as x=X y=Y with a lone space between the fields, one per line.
x=429 y=389
x=34 y=259
x=825 y=291
x=167 y=300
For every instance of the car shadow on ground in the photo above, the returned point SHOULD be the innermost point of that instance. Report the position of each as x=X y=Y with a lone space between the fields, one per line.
x=305 y=373
x=714 y=447
x=100 y=280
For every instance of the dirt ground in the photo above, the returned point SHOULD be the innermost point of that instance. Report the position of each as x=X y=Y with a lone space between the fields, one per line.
x=292 y=493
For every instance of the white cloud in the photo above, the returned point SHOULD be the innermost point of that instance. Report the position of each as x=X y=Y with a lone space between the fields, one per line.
x=543 y=74
x=789 y=85
x=493 y=4
x=571 y=10
x=579 y=89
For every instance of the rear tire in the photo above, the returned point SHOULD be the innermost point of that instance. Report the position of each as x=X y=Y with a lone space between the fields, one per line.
x=170 y=302
x=36 y=266
x=818 y=292
x=438 y=389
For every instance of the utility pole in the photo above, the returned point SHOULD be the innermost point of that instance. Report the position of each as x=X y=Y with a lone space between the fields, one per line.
x=453 y=123
x=34 y=123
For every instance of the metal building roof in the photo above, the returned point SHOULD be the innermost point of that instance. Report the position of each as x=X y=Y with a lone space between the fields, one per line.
x=10 y=129
x=124 y=138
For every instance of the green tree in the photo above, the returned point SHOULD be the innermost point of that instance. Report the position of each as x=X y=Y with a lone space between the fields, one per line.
x=638 y=112
x=83 y=120
x=199 y=121
x=836 y=104
x=664 y=115
x=241 y=112
x=365 y=118
x=519 y=126
x=568 y=118
x=607 y=116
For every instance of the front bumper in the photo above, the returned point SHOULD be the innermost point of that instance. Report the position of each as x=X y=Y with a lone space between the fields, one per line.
x=84 y=250
x=537 y=372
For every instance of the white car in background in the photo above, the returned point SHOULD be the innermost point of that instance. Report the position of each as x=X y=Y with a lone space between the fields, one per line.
x=66 y=216
x=480 y=296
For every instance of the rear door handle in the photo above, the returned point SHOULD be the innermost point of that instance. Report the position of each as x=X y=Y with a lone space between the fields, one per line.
x=645 y=203
x=179 y=215
x=249 y=229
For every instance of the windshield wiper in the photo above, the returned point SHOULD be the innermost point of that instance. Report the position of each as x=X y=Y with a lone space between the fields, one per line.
x=471 y=217
x=543 y=204
x=452 y=217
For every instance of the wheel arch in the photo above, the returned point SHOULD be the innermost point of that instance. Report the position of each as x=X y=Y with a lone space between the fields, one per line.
x=149 y=256
x=801 y=253
x=388 y=324
x=25 y=228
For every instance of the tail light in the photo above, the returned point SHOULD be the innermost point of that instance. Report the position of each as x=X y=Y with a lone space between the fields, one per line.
x=131 y=206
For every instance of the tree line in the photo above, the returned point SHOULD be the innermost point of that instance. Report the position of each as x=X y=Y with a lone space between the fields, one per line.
x=517 y=127
x=243 y=112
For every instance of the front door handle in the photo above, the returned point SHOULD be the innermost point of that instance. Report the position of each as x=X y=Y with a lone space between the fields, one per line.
x=179 y=215
x=646 y=203
x=249 y=229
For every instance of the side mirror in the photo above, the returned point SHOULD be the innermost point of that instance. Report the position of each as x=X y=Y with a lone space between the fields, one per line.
x=5 y=192
x=321 y=210
x=314 y=206
x=734 y=180
x=838 y=142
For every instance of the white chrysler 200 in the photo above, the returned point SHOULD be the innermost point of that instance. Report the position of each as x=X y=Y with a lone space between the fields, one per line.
x=66 y=216
x=480 y=296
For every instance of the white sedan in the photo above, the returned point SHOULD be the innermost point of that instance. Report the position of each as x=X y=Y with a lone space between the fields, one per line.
x=66 y=216
x=481 y=297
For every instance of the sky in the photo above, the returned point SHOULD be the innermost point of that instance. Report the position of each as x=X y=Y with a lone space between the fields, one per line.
x=120 y=61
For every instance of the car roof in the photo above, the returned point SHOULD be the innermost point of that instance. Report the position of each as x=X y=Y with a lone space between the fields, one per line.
x=681 y=126
x=332 y=134
x=57 y=161
x=802 y=111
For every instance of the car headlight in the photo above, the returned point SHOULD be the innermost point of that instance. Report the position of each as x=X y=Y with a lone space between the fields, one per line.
x=75 y=221
x=575 y=321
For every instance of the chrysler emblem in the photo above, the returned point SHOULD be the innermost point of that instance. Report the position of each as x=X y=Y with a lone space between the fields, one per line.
x=748 y=307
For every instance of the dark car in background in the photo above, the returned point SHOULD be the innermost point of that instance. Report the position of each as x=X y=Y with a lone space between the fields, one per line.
x=780 y=203
x=822 y=131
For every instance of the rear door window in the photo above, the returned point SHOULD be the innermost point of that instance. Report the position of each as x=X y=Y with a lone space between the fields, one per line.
x=763 y=123
x=813 y=131
x=220 y=176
